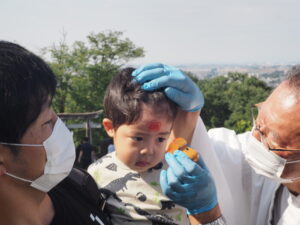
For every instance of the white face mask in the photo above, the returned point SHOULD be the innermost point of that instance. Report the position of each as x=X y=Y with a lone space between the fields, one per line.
x=60 y=152
x=265 y=162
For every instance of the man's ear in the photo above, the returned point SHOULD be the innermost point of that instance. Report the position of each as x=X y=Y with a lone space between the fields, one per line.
x=2 y=167
x=108 y=126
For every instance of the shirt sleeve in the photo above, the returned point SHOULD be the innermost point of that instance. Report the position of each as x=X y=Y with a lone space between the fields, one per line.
x=221 y=152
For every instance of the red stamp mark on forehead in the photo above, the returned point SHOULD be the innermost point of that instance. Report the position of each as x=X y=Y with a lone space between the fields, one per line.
x=154 y=125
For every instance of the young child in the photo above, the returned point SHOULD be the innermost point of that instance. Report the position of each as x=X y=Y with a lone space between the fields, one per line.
x=140 y=123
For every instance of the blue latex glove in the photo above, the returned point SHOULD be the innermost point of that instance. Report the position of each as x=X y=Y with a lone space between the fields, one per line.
x=178 y=86
x=188 y=184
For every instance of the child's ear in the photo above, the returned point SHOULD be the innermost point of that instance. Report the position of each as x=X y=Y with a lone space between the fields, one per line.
x=108 y=126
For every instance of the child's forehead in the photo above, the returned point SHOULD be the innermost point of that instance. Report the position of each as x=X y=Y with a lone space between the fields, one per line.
x=159 y=110
x=153 y=120
x=153 y=126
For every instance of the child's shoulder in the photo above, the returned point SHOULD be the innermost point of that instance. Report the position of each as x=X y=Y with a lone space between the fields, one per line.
x=101 y=162
x=103 y=169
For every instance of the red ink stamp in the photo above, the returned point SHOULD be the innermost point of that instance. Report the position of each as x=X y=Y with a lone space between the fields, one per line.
x=154 y=125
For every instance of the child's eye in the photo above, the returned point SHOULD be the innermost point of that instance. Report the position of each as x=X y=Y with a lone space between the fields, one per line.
x=137 y=138
x=161 y=139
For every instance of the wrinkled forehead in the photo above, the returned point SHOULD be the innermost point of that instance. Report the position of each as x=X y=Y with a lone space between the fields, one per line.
x=283 y=101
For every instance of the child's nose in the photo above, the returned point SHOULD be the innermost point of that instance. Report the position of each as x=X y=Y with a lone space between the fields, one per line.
x=149 y=150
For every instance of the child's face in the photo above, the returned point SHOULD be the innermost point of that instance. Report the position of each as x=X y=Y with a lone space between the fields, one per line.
x=142 y=145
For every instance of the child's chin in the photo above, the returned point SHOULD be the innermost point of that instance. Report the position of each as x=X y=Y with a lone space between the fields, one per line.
x=142 y=168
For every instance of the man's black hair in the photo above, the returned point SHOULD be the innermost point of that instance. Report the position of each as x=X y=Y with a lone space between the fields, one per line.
x=124 y=98
x=26 y=83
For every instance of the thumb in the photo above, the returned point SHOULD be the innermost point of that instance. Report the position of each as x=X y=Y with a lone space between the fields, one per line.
x=164 y=181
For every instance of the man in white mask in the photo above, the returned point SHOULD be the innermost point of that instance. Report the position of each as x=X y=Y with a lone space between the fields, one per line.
x=36 y=149
x=257 y=173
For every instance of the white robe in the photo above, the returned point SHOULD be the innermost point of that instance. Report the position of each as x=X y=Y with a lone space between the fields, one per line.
x=245 y=198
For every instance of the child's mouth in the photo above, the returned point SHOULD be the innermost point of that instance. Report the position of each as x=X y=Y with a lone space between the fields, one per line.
x=142 y=164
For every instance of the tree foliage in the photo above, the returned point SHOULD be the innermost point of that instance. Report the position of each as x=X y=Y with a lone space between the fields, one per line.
x=228 y=100
x=84 y=69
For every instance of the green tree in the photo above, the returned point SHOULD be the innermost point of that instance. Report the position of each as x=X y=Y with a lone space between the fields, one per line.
x=85 y=68
x=228 y=100
x=243 y=92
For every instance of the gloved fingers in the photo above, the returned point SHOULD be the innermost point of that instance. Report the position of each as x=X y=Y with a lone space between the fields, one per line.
x=164 y=184
x=150 y=75
x=168 y=189
x=202 y=163
x=167 y=67
x=188 y=164
x=179 y=197
x=175 y=166
x=174 y=182
x=178 y=168
x=183 y=198
x=164 y=78
x=193 y=169
x=176 y=94
x=169 y=180
x=157 y=83
x=145 y=67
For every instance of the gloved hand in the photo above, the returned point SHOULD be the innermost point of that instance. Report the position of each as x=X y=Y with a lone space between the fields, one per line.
x=178 y=86
x=188 y=184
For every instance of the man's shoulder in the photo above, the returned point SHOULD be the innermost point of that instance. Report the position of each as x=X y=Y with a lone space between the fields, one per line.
x=76 y=198
x=220 y=132
x=226 y=140
x=79 y=183
x=225 y=134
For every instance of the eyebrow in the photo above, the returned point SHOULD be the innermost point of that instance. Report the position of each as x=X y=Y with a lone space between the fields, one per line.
x=164 y=133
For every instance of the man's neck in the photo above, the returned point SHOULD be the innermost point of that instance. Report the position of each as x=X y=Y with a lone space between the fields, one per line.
x=47 y=211
x=19 y=205
x=294 y=188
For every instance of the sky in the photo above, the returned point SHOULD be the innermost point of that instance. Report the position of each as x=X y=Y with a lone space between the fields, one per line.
x=170 y=31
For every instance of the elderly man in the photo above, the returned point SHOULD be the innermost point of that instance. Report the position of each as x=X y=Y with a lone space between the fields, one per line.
x=257 y=173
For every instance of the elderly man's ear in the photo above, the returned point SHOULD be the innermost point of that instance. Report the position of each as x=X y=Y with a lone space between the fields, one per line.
x=108 y=126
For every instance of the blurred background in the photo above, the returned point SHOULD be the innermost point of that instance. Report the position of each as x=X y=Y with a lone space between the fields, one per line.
x=235 y=50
